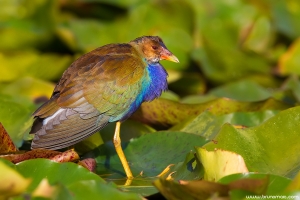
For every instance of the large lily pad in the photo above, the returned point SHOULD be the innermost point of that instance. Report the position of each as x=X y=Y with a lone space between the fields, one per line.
x=268 y=148
x=149 y=154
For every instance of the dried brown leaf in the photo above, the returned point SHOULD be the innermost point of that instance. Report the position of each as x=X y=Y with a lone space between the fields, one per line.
x=6 y=144
x=36 y=153
x=67 y=156
x=88 y=163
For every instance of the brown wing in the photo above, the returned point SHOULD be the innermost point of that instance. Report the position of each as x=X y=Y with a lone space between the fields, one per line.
x=99 y=85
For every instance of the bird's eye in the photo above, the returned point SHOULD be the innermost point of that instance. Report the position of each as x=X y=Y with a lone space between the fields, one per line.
x=154 y=47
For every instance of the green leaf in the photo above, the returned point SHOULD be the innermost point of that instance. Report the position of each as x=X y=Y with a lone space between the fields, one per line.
x=260 y=146
x=188 y=83
x=88 y=34
x=129 y=129
x=190 y=169
x=46 y=66
x=236 y=90
x=66 y=179
x=31 y=22
x=29 y=87
x=285 y=15
x=259 y=35
x=289 y=62
x=208 y=125
x=91 y=189
x=292 y=84
x=170 y=148
x=218 y=51
x=15 y=116
x=65 y=173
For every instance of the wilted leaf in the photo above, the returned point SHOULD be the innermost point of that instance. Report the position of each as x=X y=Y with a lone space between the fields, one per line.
x=220 y=163
x=275 y=186
x=202 y=189
x=256 y=186
x=294 y=185
x=35 y=153
x=66 y=156
x=164 y=113
x=6 y=144
x=12 y=183
x=190 y=189
x=88 y=163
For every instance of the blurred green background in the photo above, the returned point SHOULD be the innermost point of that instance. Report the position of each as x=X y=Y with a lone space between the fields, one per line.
x=248 y=50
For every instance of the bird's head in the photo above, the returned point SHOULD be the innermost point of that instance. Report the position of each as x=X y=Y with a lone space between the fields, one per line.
x=153 y=49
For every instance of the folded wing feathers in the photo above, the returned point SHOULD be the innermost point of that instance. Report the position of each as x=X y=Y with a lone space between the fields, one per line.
x=68 y=128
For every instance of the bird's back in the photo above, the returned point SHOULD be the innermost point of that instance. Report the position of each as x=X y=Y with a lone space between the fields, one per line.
x=97 y=88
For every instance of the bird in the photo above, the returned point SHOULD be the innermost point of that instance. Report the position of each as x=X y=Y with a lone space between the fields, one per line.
x=103 y=86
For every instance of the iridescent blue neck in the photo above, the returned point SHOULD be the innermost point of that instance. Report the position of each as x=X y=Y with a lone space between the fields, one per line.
x=158 y=81
x=153 y=83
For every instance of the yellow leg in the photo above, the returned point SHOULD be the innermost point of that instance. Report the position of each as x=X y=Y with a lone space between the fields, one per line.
x=117 y=143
